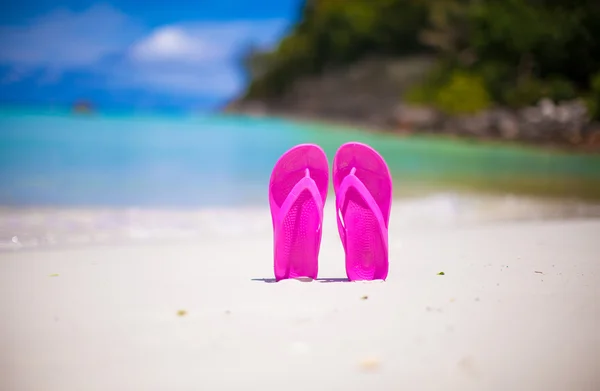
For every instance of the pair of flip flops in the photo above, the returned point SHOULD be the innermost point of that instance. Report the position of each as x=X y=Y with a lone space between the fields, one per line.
x=297 y=193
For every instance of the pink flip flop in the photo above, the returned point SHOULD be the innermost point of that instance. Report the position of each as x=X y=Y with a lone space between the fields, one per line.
x=363 y=191
x=297 y=194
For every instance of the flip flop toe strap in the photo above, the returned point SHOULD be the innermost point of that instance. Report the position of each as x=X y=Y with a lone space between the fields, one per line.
x=352 y=181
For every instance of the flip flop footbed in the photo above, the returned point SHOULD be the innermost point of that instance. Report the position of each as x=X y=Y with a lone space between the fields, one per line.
x=363 y=189
x=298 y=191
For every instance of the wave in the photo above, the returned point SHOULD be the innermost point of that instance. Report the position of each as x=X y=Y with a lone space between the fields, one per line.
x=41 y=228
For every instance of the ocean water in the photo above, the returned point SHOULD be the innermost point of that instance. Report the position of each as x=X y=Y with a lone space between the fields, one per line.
x=88 y=161
x=62 y=174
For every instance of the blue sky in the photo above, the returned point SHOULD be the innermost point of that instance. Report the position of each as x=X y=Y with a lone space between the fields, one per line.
x=133 y=54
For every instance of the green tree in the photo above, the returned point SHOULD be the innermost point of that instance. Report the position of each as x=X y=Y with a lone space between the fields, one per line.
x=337 y=32
x=519 y=50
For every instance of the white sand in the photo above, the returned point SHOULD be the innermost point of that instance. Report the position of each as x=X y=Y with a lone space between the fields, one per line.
x=517 y=309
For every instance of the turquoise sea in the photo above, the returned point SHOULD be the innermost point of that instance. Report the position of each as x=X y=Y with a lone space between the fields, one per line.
x=58 y=159
x=68 y=178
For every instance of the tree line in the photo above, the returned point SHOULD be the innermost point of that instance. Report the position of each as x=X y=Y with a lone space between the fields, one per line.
x=489 y=52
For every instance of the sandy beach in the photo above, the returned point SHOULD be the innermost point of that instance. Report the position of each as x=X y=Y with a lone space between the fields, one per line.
x=518 y=308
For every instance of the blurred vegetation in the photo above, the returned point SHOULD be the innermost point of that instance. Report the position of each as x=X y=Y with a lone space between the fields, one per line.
x=505 y=52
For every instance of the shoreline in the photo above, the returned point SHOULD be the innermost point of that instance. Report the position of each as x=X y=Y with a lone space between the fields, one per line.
x=25 y=229
x=340 y=125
